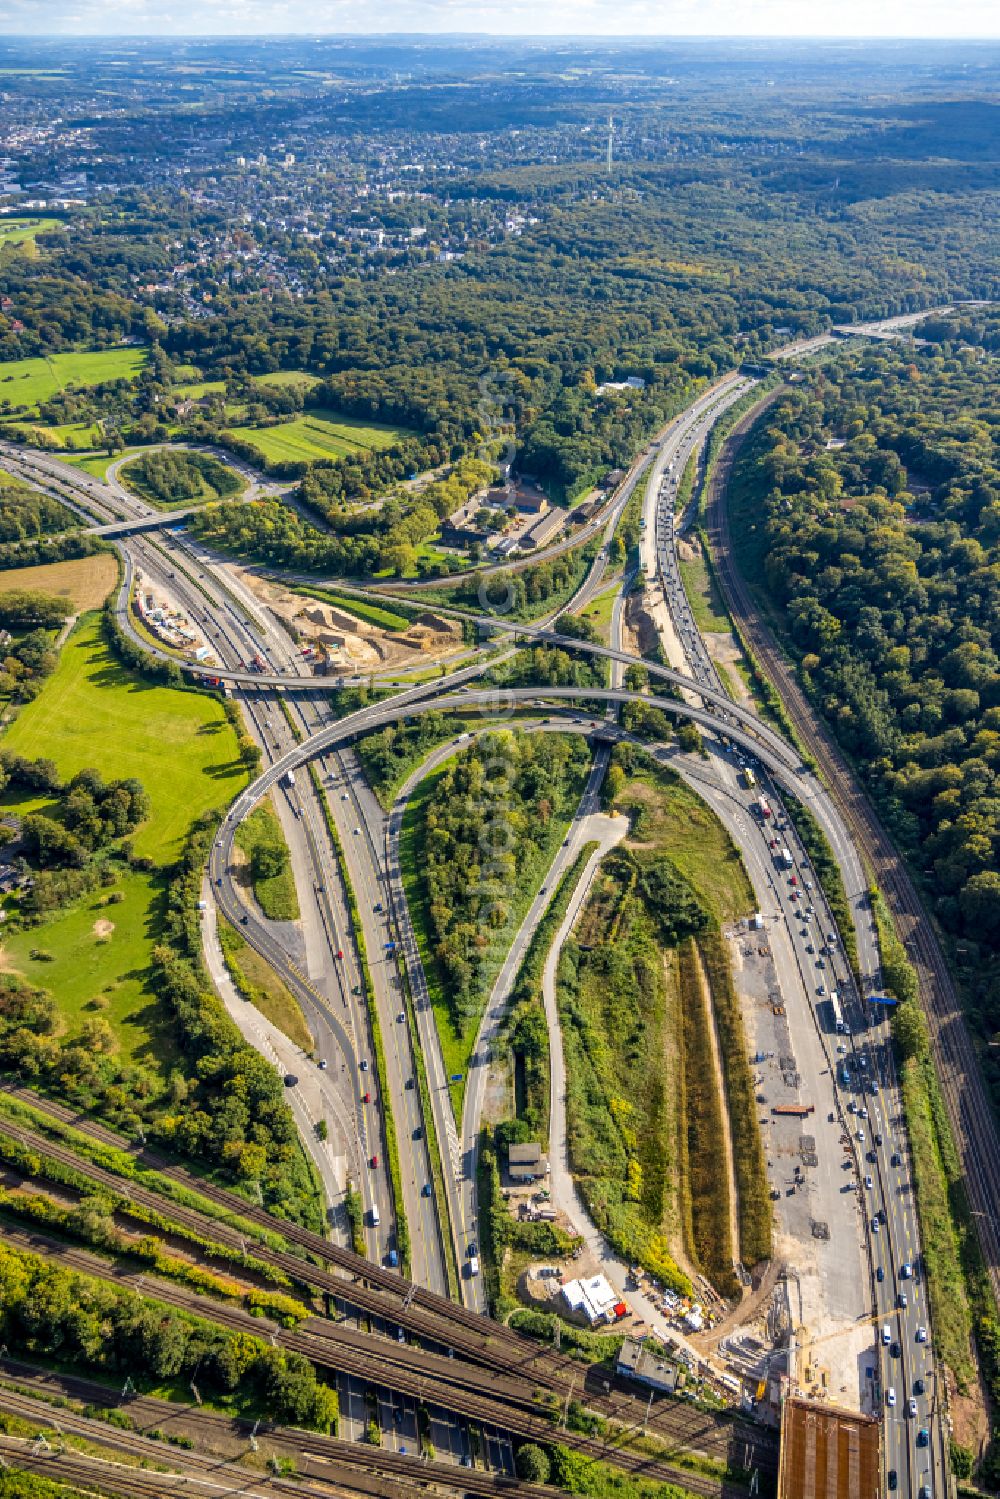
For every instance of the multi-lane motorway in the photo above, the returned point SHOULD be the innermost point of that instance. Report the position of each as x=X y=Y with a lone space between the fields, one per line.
x=334 y=825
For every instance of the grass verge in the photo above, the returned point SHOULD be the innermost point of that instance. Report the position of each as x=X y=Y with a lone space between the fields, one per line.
x=259 y=836
x=258 y=983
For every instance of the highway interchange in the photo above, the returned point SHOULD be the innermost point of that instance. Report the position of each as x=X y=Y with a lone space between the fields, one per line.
x=290 y=714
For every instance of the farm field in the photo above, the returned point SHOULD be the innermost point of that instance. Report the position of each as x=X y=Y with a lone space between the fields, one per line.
x=25 y=382
x=315 y=435
x=85 y=581
x=179 y=744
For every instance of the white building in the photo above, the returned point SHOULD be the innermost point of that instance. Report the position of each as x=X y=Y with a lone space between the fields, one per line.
x=594 y=1297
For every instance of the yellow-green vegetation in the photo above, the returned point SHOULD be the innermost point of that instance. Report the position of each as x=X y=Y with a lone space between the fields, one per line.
x=317 y=434
x=937 y=1177
x=260 y=838
x=958 y=1286
x=26 y=382
x=619 y=1040
x=85 y=581
x=372 y=614
x=704 y=1183
x=94 y=712
x=598 y=612
x=629 y=1058
x=667 y=816
x=257 y=981
x=19 y=232
x=123 y=1163
x=706 y=602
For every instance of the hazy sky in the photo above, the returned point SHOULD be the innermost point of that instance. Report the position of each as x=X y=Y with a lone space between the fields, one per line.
x=900 y=18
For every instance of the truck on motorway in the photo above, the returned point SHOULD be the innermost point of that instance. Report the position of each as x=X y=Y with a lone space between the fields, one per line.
x=785 y=858
x=376 y=1219
x=288 y=779
x=749 y=779
x=763 y=808
x=836 y=1012
x=794 y=1110
x=473 y=1264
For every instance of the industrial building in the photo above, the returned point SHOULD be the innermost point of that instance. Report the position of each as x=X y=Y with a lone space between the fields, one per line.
x=827 y=1452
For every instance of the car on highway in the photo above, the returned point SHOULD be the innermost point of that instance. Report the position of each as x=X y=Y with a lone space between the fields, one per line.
x=363 y=1064
x=321 y=1064
x=923 y=1437
x=357 y=832
x=410 y=1083
x=340 y=952
x=912 y=1406
x=401 y=1017
x=902 y=1301
x=418 y=1132
x=374 y=1162
x=906 y=1271
x=896 y=1159
x=921 y=1334
x=366 y=1098
x=869 y=1183
x=918 y=1386
x=890 y=1396
x=892 y=1479
x=425 y=1190
x=879 y=1274
x=875 y=1225
x=290 y=1079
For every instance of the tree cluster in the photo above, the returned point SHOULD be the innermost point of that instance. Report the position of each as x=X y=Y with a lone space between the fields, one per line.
x=869 y=507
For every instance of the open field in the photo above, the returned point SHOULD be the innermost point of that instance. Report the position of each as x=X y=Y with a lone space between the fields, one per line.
x=22 y=231
x=71 y=436
x=85 y=581
x=670 y=819
x=289 y=377
x=98 y=463
x=179 y=744
x=703 y=594
x=97 y=957
x=315 y=435
x=25 y=382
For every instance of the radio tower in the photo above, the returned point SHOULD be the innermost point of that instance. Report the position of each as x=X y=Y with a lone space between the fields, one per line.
x=611 y=140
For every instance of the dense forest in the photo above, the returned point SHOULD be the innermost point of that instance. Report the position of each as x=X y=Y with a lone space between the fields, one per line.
x=867 y=505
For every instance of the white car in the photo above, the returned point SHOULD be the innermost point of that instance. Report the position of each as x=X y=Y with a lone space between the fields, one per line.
x=357 y=832
x=868 y=1183
x=875 y=1225
x=912 y=1407
x=921 y=1334
x=890 y=1396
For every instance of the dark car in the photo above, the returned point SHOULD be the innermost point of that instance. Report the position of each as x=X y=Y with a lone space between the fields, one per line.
x=290 y=1079
x=418 y=1133
x=893 y=1479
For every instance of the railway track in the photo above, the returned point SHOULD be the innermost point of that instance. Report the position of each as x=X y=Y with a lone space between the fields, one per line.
x=415 y=1379
x=515 y=1365
x=966 y=1098
x=359 y=1467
